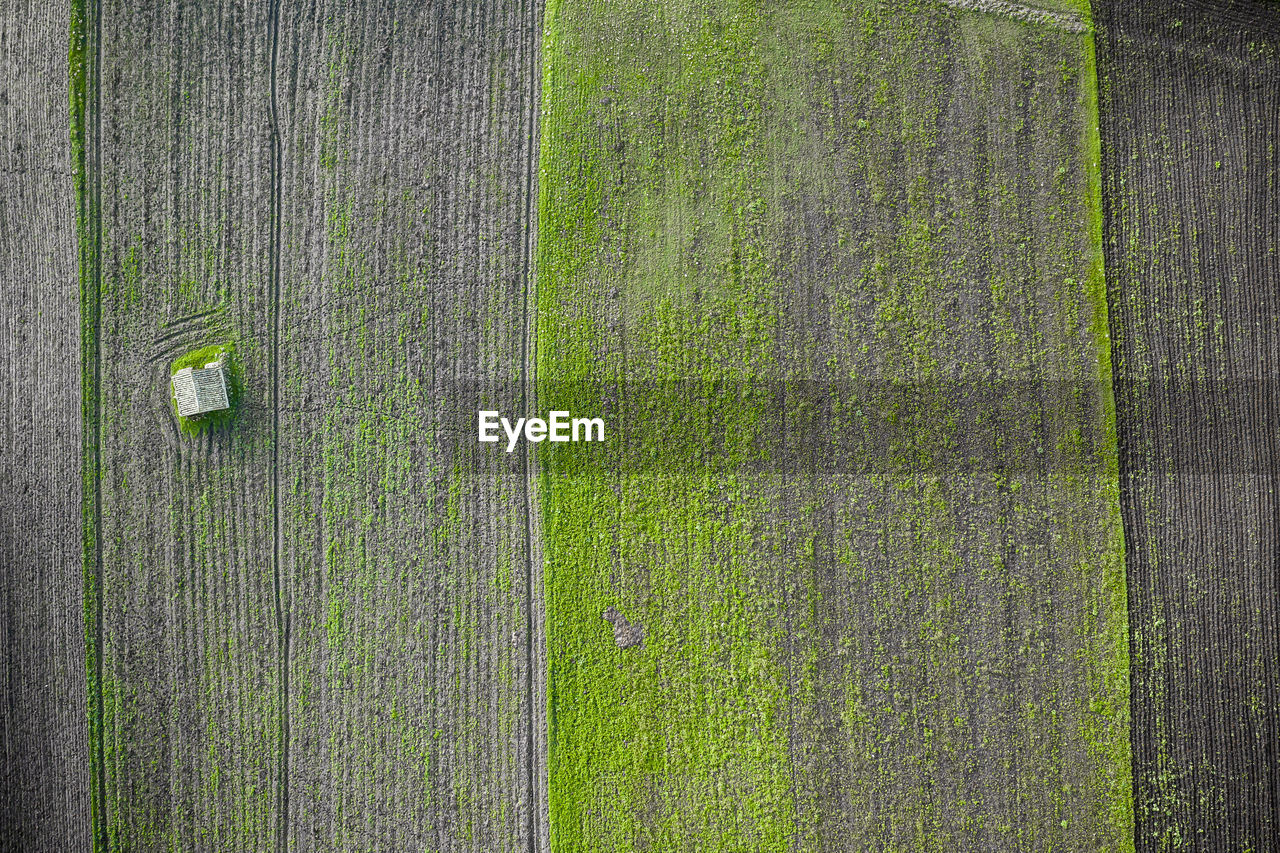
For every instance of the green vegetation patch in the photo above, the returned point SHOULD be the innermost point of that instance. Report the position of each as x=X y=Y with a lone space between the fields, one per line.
x=831 y=273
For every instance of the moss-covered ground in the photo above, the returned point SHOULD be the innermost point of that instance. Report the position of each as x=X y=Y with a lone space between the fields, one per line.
x=857 y=248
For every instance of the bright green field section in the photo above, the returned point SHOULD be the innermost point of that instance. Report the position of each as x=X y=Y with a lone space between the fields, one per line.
x=871 y=224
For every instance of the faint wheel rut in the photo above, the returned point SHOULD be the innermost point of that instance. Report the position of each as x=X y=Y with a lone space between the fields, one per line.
x=535 y=659
x=282 y=621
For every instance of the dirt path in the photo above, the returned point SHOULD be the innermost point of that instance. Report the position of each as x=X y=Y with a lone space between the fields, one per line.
x=1018 y=12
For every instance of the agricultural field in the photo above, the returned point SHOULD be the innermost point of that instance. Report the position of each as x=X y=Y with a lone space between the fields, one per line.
x=934 y=342
x=310 y=623
x=44 y=776
x=757 y=221
x=1191 y=125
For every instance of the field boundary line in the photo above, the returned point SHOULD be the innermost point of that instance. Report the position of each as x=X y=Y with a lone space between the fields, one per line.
x=1121 y=678
x=84 y=66
x=535 y=651
x=273 y=309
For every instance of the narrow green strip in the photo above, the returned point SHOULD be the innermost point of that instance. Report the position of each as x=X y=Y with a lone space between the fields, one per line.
x=1114 y=664
x=83 y=60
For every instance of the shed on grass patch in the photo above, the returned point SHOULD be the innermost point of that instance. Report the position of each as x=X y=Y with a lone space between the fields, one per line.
x=198 y=390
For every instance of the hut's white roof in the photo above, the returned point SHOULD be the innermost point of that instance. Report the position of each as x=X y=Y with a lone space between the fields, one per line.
x=200 y=389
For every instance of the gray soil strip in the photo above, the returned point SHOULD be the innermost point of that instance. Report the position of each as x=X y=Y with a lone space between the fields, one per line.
x=406 y=563
x=44 y=761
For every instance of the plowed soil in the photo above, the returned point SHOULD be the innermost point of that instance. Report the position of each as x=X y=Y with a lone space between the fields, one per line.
x=44 y=766
x=1191 y=125
x=313 y=627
